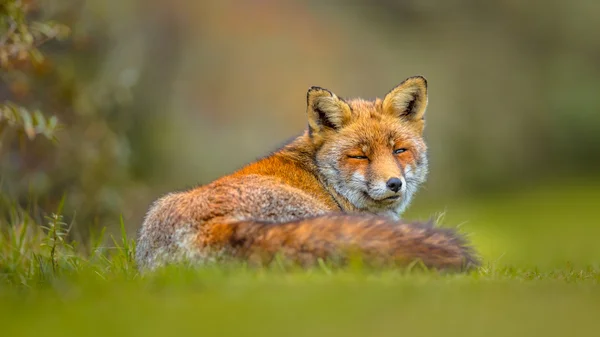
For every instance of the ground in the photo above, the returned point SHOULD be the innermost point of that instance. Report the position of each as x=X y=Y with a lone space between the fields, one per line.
x=541 y=277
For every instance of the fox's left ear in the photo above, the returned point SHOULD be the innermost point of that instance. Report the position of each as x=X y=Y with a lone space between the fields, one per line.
x=408 y=100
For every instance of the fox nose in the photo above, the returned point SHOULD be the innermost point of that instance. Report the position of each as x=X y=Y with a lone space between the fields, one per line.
x=394 y=184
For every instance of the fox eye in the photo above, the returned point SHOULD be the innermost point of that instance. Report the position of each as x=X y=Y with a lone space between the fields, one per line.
x=398 y=151
x=358 y=157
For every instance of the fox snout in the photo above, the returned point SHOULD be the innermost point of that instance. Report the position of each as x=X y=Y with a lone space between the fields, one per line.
x=390 y=189
x=385 y=179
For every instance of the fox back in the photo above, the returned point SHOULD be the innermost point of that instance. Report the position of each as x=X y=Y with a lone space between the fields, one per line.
x=362 y=158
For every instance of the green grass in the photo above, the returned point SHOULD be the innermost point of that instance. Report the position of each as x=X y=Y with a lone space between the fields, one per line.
x=541 y=277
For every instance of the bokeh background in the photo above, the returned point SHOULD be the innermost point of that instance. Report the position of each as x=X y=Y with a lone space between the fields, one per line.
x=154 y=96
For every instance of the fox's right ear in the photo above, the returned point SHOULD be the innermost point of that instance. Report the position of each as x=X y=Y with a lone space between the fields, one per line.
x=326 y=111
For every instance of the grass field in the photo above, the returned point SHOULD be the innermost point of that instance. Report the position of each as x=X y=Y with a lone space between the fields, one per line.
x=541 y=277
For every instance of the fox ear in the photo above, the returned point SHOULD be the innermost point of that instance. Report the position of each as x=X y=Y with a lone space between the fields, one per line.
x=408 y=100
x=325 y=110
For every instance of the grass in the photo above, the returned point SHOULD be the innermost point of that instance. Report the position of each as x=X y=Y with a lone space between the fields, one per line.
x=541 y=277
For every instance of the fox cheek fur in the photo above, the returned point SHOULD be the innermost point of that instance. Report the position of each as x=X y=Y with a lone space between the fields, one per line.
x=365 y=184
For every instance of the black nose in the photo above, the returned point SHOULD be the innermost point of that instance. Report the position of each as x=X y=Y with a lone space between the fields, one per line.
x=394 y=184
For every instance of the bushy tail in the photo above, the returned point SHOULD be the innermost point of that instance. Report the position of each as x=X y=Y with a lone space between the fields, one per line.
x=376 y=240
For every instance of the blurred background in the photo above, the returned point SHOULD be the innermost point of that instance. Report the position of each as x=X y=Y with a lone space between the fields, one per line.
x=152 y=96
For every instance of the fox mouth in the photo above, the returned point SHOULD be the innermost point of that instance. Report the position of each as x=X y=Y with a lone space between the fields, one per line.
x=393 y=197
x=388 y=199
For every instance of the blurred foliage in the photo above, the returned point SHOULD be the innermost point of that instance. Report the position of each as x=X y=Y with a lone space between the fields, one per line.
x=50 y=83
x=20 y=38
x=30 y=123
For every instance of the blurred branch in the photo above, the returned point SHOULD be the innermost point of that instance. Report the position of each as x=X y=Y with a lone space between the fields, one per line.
x=19 y=48
x=31 y=123
x=11 y=29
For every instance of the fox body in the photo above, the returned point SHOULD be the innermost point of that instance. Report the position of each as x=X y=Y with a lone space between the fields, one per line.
x=337 y=189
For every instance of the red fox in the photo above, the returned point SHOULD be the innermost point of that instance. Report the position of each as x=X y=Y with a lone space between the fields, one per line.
x=336 y=190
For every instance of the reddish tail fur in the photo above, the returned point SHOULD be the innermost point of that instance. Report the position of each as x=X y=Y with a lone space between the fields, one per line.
x=377 y=240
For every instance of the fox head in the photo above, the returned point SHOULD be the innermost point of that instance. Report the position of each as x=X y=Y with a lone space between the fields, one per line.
x=371 y=152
